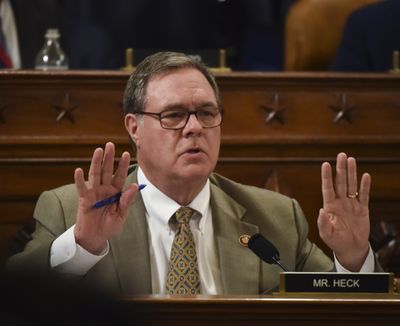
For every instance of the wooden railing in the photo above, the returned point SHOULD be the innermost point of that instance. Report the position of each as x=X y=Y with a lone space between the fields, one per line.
x=329 y=311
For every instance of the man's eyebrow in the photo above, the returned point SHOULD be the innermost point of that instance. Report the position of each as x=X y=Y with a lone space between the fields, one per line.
x=180 y=106
x=207 y=105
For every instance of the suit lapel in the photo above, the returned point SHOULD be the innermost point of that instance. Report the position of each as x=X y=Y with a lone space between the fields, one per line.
x=240 y=268
x=130 y=250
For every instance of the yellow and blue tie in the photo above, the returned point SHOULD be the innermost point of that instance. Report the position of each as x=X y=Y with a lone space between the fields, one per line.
x=183 y=272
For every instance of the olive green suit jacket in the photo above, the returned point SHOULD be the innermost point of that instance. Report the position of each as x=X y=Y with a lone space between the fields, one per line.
x=236 y=210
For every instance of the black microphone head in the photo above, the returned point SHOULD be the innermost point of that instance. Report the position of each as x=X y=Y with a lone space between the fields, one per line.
x=263 y=249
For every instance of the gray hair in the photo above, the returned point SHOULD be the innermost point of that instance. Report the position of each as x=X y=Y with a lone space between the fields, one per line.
x=157 y=64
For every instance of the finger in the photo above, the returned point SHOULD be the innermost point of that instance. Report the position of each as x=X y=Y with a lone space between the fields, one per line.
x=341 y=175
x=95 y=168
x=325 y=224
x=80 y=182
x=108 y=164
x=122 y=171
x=328 y=192
x=365 y=186
x=351 y=176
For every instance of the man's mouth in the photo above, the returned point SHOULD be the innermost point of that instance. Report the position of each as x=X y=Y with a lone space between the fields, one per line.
x=193 y=151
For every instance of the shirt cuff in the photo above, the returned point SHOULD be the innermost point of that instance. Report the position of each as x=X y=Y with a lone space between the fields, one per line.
x=68 y=257
x=368 y=267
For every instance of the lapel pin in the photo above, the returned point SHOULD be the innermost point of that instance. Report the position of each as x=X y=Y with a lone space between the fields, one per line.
x=244 y=240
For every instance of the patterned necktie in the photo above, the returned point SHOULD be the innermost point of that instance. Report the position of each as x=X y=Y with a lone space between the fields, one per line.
x=183 y=273
x=5 y=60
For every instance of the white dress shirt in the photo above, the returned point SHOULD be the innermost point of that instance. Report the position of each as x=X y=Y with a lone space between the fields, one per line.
x=159 y=209
x=70 y=259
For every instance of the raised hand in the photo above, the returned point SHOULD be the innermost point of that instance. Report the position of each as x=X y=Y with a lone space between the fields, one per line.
x=94 y=226
x=343 y=222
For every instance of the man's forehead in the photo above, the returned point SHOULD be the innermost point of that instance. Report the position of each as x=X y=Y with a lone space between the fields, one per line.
x=160 y=76
x=177 y=80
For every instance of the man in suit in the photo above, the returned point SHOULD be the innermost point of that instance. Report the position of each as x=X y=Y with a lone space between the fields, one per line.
x=97 y=32
x=173 y=116
x=369 y=39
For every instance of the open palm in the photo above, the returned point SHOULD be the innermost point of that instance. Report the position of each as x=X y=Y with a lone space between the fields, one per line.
x=343 y=221
x=94 y=226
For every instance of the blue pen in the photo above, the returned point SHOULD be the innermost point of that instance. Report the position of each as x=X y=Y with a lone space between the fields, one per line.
x=112 y=199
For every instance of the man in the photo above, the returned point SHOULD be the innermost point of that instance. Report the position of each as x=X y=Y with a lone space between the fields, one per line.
x=173 y=115
x=97 y=32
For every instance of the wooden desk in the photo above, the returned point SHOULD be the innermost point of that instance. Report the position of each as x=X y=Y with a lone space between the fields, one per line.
x=275 y=311
x=278 y=129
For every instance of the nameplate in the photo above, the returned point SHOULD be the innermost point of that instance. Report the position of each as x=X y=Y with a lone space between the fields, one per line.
x=292 y=282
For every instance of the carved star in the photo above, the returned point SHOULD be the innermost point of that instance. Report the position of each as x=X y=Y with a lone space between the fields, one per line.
x=343 y=108
x=65 y=109
x=275 y=183
x=274 y=110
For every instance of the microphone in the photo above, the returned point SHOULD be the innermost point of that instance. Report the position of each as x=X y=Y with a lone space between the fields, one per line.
x=265 y=250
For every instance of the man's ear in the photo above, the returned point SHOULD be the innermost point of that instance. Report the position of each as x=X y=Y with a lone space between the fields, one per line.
x=131 y=126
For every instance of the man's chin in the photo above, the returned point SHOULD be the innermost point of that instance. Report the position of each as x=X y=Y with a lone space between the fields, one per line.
x=195 y=171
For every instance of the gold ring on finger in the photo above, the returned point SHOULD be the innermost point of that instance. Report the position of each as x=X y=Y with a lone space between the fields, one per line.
x=352 y=196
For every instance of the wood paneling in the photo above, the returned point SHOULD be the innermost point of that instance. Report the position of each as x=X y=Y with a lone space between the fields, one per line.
x=277 y=130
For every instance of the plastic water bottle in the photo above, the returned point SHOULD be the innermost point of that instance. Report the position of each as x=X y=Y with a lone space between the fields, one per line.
x=51 y=56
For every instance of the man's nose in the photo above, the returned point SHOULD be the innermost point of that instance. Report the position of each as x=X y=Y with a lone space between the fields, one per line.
x=193 y=122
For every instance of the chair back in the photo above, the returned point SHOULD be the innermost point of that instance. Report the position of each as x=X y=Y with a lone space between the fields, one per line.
x=313 y=30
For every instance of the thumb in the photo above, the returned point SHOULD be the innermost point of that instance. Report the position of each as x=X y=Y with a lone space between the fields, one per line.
x=127 y=197
x=325 y=224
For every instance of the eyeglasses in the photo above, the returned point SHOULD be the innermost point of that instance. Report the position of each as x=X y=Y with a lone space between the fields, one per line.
x=177 y=119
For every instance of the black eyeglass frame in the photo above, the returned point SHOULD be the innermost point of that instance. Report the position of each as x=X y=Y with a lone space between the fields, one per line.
x=157 y=115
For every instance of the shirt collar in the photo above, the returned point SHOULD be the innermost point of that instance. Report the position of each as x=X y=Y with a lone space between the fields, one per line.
x=161 y=207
